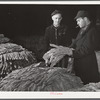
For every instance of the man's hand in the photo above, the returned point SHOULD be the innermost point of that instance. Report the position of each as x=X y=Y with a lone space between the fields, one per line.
x=56 y=54
x=62 y=50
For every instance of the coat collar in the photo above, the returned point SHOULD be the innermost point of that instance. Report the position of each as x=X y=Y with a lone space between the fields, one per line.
x=84 y=31
x=60 y=27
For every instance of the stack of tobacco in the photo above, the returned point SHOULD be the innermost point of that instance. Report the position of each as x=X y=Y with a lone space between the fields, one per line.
x=38 y=77
x=98 y=59
x=91 y=87
x=13 y=56
x=3 y=39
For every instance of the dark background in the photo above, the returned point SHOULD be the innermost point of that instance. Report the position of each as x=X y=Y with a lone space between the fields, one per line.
x=25 y=24
x=33 y=19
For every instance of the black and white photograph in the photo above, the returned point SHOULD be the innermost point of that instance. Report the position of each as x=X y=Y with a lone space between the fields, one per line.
x=50 y=47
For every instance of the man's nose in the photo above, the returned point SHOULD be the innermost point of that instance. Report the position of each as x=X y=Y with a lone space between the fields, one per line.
x=77 y=23
x=57 y=19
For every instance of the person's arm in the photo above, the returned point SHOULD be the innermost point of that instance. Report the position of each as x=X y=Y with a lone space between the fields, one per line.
x=87 y=46
x=46 y=40
x=85 y=49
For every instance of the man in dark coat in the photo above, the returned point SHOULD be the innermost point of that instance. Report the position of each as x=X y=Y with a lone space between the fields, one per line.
x=85 y=62
x=57 y=34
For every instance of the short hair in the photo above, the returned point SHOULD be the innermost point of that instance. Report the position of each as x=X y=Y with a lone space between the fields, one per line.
x=56 y=12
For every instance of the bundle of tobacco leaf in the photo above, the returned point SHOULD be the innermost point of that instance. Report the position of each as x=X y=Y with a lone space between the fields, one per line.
x=91 y=87
x=98 y=59
x=38 y=77
x=3 y=39
x=50 y=59
x=54 y=55
x=13 y=56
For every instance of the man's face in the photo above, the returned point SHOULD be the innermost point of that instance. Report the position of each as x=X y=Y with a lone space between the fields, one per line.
x=57 y=19
x=81 y=22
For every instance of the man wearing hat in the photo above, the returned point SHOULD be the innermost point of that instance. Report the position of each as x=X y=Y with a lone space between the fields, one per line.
x=57 y=34
x=83 y=52
x=85 y=62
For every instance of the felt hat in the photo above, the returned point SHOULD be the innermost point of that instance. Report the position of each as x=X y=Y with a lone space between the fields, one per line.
x=82 y=13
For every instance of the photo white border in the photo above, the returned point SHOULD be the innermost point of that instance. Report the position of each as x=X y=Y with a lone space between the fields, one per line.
x=51 y=2
x=51 y=94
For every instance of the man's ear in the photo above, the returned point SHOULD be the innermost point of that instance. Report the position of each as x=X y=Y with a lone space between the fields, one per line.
x=61 y=18
x=85 y=18
x=52 y=17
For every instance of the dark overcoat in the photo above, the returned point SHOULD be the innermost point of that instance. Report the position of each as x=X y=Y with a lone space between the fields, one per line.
x=58 y=36
x=85 y=62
